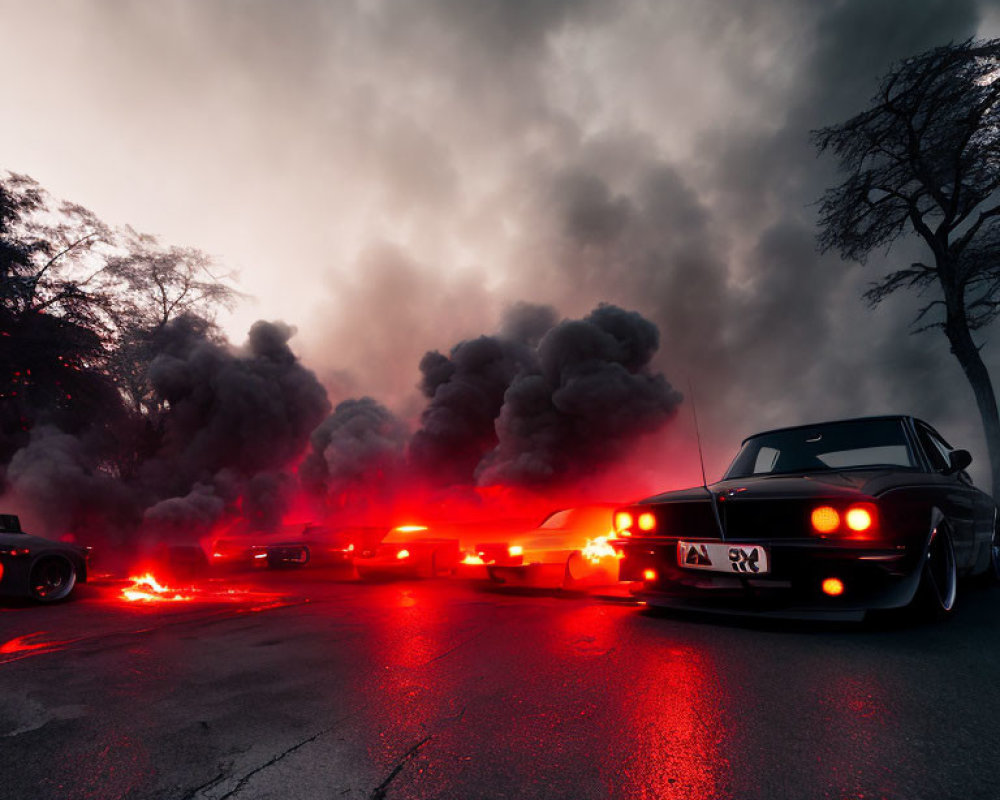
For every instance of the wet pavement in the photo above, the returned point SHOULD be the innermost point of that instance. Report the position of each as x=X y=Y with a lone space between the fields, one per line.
x=310 y=685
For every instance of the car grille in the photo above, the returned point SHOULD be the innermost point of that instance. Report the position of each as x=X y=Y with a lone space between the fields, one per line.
x=770 y=519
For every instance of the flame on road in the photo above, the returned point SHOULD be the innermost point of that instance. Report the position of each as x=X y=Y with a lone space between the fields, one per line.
x=599 y=548
x=145 y=588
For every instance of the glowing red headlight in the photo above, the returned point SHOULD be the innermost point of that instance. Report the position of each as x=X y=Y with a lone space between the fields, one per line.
x=403 y=554
x=649 y=575
x=647 y=521
x=859 y=518
x=825 y=519
x=623 y=521
x=833 y=587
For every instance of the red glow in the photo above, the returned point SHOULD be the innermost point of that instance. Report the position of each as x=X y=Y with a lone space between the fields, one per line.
x=145 y=588
x=859 y=518
x=29 y=645
x=647 y=521
x=623 y=521
x=649 y=575
x=833 y=587
x=403 y=554
x=825 y=519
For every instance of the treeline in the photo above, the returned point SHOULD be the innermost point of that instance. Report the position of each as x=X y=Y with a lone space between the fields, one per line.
x=81 y=307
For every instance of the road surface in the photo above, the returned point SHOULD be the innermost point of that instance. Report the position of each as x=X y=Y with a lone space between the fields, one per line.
x=311 y=685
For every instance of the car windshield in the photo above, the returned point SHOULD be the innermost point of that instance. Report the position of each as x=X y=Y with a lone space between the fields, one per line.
x=833 y=445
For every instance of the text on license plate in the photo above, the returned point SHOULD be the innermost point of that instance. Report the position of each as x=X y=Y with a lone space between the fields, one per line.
x=743 y=559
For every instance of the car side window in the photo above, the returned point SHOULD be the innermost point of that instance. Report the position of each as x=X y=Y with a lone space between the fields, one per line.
x=766 y=459
x=938 y=456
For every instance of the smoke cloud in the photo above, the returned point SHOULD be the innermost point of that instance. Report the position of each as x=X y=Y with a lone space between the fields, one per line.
x=591 y=394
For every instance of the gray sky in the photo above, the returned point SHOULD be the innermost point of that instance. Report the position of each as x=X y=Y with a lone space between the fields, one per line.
x=388 y=176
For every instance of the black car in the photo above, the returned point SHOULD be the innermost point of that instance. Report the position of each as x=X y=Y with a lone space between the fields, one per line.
x=828 y=520
x=37 y=568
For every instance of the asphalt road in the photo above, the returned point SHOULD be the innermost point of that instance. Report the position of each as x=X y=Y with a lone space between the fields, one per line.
x=314 y=686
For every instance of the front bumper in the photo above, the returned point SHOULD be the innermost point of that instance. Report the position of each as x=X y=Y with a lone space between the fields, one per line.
x=874 y=576
x=536 y=576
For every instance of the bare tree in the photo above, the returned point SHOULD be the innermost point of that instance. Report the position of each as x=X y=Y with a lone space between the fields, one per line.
x=924 y=159
x=80 y=306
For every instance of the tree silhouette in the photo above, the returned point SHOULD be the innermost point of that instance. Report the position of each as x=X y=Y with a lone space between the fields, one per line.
x=924 y=159
x=80 y=306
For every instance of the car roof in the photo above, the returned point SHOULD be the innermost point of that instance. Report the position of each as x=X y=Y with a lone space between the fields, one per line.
x=879 y=418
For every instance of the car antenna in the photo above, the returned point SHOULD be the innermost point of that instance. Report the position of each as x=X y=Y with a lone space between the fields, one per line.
x=697 y=433
x=701 y=461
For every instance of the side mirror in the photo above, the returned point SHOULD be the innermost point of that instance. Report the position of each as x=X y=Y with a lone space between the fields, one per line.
x=959 y=460
x=10 y=523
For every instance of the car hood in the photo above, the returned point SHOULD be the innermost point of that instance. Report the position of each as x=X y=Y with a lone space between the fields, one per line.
x=845 y=483
x=36 y=542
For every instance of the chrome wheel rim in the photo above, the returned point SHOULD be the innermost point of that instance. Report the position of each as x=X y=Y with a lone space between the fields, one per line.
x=995 y=553
x=939 y=567
x=52 y=579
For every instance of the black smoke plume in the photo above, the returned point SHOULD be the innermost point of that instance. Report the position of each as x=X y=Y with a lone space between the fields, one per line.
x=357 y=454
x=590 y=395
x=541 y=402
x=232 y=421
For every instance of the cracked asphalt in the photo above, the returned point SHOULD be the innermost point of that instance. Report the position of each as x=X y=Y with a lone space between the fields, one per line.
x=316 y=686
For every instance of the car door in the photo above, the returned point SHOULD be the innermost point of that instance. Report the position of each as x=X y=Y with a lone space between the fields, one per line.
x=961 y=501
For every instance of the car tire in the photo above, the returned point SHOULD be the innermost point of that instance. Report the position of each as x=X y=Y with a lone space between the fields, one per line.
x=52 y=578
x=938 y=589
x=993 y=573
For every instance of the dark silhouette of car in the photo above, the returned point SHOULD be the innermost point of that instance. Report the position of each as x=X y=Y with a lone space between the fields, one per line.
x=293 y=545
x=827 y=520
x=41 y=569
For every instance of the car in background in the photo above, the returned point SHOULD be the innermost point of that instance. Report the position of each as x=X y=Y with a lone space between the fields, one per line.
x=827 y=520
x=410 y=551
x=433 y=550
x=569 y=549
x=294 y=545
x=40 y=569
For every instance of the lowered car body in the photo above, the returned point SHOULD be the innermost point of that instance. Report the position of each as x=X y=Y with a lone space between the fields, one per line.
x=41 y=569
x=828 y=520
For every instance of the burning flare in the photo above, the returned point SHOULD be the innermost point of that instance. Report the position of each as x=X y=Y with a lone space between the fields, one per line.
x=599 y=548
x=145 y=588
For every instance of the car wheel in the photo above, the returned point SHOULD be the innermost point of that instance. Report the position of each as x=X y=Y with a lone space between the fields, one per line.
x=52 y=579
x=939 y=577
x=994 y=571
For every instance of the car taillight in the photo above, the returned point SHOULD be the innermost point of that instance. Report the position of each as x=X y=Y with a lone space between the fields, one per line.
x=833 y=587
x=403 y=554
x=858 y=518
x=14 y=551
x=647 y=522
x=649 y=575
x=515 y=550
x=623 y=521
x=825 y=519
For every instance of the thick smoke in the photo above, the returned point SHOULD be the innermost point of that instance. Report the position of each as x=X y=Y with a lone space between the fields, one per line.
x=541 y=403
x=466 y=391
x=231 y=423
x=357 y=454
x=590 y=397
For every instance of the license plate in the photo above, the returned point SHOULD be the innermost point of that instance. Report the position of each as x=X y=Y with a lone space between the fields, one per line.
x=739 y=559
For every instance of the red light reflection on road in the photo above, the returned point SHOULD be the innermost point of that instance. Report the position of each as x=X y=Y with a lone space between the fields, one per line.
x=675 y=718
x=28 y=645
x=854 y=741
